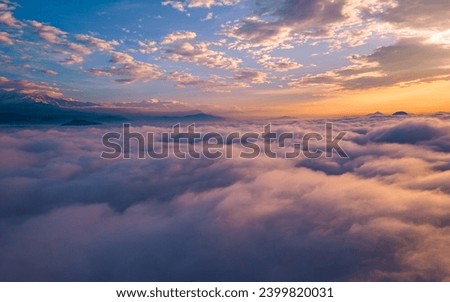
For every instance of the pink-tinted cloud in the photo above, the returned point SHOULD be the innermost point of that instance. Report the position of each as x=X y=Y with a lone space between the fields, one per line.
x=382 y=214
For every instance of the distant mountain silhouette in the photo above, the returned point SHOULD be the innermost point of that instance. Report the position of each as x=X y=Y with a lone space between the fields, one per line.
x=80 y=123
x=18 y=108
x=22 y=109
x=378 y=113
x=400 y=113
x=15 y=98
x=198 y=117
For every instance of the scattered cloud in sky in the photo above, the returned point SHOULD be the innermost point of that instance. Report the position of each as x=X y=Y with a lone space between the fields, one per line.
x=407 y=61
x=126 y=69
x=183 y=5
x=187 y=50
x=5 y=38
x=289 y=45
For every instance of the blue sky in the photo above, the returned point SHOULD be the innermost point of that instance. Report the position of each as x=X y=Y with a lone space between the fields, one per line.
x=225 y=55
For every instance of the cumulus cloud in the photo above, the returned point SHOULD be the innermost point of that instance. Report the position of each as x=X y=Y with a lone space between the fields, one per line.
x=127 y=70
x=49 y=33
x=210 y=3
x=178 y=5
x=282 y=24
x=56 y=41
x=147 y=47
x=5 y=38
x=250 y=76
x=180 y=47
x=6 y=16
x=278 y=64
x=97 y=43
x=178 y=36
x=382 y=214
x=183 y=5
x=213 y=83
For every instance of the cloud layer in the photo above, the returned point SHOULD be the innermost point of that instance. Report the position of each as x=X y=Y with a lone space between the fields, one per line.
x=382 y=214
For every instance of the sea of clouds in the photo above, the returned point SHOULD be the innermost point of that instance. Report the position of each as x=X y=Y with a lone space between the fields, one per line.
x=66 y=214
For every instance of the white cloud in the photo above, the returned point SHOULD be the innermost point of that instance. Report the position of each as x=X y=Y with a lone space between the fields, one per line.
x=97 y=43
x=178 y=36
x=213 y=83
x=278 y=64
x=147 y=47
x=182 y=49
x=178 y=5
x=183 y=5
x=208 y=17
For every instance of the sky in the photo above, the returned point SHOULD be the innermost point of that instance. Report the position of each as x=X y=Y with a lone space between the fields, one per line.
x=247 y=58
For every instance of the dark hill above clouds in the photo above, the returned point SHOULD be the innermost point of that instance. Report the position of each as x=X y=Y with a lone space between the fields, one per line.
x=17 y=98
x=22 y=109
x=17 y=109
x=400 y=113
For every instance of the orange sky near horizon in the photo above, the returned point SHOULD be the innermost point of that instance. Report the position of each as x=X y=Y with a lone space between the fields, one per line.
x=417 y=98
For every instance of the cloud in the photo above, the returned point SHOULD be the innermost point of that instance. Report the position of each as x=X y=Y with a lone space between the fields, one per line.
x=31 y=88
x=284 y=24
x=97 y=43
x=178 y=5
x=5 y=38
x=213 y=83
x=278 y=64
x=56 y=42
x=241 y=78
x=127 y=70
x=429 y=132
x=178 y=36
x=183 y=5
x=256 y=33
x=419 y=14
x=72 y=59
x=79 y=48
x=180 y=47
x=278 y=24
x=49 y=72
x=147 y=47
x=210 y=3
x=68 y=215
x=49 y=33
x=250 y=76
x=208 y=17
x=6 y=16
x=409 y=60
